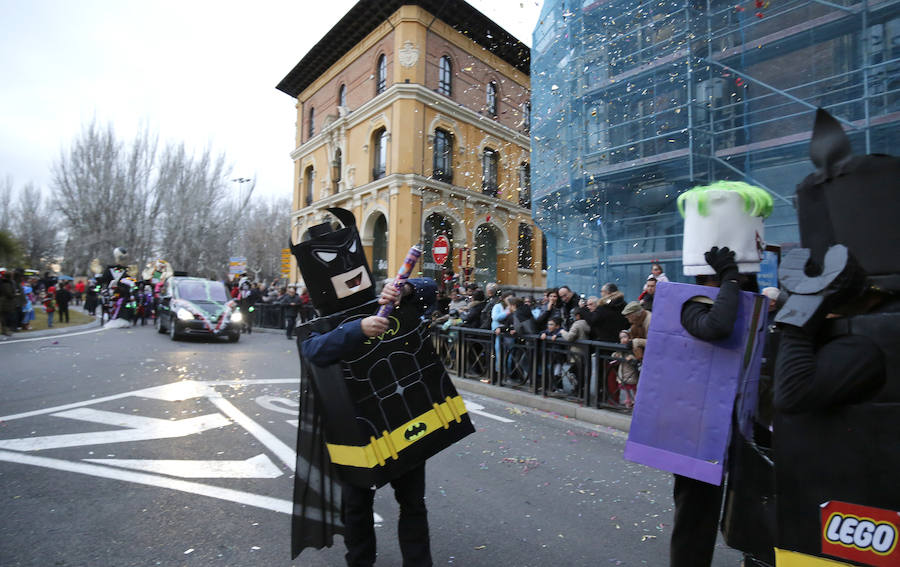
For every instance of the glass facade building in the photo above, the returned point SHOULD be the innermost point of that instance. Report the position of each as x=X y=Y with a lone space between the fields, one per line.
x=634 y=102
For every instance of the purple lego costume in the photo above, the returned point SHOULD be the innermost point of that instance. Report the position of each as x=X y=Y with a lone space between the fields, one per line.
x=688 y=386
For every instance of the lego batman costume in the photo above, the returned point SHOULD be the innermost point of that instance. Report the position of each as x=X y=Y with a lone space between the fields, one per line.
x=837 y=375
x=373 y=408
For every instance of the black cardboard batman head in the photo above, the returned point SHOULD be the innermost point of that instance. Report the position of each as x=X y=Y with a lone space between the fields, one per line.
x=851 y=200
x=334 y=266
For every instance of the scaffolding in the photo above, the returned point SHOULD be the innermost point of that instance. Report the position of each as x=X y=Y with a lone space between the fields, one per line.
x=634 y=103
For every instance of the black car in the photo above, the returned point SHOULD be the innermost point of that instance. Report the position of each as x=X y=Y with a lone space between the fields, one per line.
x=197 y=307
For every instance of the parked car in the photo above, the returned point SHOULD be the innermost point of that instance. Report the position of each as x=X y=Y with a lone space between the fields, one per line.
x=197 y=307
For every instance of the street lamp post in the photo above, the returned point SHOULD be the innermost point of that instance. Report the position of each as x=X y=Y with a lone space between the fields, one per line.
x=240 y=181
x=239 y=228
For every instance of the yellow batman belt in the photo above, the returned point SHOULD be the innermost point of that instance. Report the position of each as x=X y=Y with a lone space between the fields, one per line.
x=391 y=443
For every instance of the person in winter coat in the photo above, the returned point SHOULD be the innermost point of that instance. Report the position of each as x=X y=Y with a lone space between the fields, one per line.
x=7 y=303
x=568 y=302
x=639 y=319
x=28 y=310
x=249 y=296
x=472 y=316
x=579 y=331
x=552 y=308
x=606 y=319
x=628 y=366
x=63 y=297
x=49 y=302
x=291 y=303
x=657 y=272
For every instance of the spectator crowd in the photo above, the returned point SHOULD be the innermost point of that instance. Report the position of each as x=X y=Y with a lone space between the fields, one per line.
x=562 y=315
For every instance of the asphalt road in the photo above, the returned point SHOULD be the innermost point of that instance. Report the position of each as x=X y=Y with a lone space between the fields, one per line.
x=119 y=447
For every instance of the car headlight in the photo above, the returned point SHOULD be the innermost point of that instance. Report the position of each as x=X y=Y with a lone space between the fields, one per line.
x=236 y=317
x=184 y=314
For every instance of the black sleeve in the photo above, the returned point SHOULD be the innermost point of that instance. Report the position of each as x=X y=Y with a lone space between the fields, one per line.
x=716 y=321
x=541 y=321
x=846 y=370
x=473 y=316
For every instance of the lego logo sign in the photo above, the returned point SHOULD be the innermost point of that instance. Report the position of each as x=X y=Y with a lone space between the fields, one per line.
x=860 y=533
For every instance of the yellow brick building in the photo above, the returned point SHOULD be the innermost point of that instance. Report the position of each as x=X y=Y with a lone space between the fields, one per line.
x=415 y=116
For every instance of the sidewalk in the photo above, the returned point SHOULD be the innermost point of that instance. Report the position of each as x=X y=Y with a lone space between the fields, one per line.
x=606 y=418
x=20 y=335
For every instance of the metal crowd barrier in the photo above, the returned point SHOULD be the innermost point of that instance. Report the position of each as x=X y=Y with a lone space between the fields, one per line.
x=581 y=371
x=268 y=315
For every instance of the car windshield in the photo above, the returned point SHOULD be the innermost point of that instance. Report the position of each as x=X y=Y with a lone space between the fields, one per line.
x=202 y=291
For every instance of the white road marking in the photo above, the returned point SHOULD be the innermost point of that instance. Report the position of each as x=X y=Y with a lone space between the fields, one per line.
x=265 y=502
x=61 y=336
x=168 y=392
x=274 y=444
x=259 y=466
x=472 y=407
x=279 y=404
x=139 y=429
x=175 y=391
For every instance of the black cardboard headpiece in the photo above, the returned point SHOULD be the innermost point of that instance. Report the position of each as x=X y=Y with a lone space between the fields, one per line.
x=851 y=200
x=333 y=265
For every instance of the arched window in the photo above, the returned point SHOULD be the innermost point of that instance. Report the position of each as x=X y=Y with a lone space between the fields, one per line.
x=379 y=248
x=525 y=185
x=342 y=95
x=379 y=153
x=311 y=124
x=489 y=162
x=443 y=156
x=490 y=98
x=525 y=237
x=381 y=75
x=485 y=255
x=308 y=179
x=445 y=74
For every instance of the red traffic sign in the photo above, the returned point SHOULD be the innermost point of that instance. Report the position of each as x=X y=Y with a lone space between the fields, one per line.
x=440 y=250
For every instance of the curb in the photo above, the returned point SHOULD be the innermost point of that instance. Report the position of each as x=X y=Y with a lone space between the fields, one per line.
x=48 y=332
x=595 y=416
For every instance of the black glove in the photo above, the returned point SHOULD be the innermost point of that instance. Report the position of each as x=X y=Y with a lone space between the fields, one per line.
x=722 y=261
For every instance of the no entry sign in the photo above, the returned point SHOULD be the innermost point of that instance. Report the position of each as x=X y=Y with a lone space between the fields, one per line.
x=440 y=250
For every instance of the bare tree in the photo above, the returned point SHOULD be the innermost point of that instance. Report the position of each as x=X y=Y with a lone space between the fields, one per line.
x=36 y=226
x=140 y=193
x=266 y=228
x=154 y=202
x=87 y=185
x=6 y=203
x=197 y=225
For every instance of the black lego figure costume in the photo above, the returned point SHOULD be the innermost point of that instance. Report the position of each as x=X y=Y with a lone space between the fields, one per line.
x=372 y=409
x=837 y=375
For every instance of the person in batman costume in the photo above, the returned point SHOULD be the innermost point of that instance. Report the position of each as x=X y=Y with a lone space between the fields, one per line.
x=375 y=401
x=837 y=373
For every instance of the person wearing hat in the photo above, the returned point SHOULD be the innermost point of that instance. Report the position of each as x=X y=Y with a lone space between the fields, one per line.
x=639 y=318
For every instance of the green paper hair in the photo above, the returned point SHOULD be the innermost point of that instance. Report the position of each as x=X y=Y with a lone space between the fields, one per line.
x=757 y=201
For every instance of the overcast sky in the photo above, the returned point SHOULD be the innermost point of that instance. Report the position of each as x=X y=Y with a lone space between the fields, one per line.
x=198 y=71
